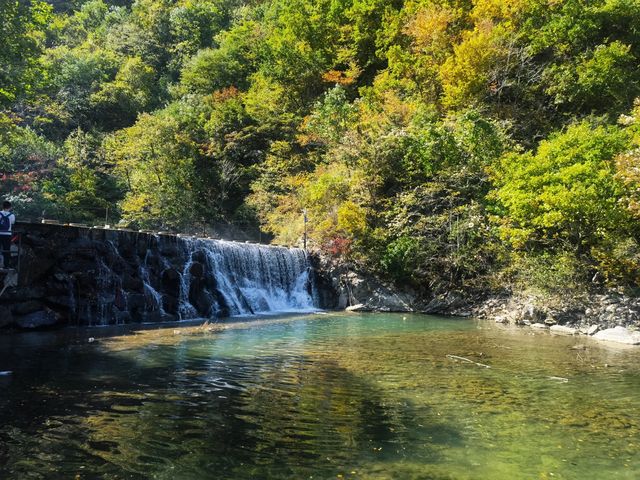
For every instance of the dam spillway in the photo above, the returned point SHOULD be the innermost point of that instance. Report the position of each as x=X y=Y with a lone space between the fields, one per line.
x=84 y=276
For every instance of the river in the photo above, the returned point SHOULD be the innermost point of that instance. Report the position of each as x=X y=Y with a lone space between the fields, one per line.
x=367 y=396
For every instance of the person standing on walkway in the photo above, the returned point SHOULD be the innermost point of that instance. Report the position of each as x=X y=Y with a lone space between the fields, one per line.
x=7 y=219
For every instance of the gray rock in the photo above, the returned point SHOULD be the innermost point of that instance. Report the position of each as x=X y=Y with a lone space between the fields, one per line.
x=532 y=313
x=593 y=329
x=563 y=330
x=360 y=307
x=539 y=325
x=618 y=335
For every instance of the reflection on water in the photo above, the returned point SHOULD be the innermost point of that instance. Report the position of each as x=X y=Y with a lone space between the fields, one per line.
x=356 y=396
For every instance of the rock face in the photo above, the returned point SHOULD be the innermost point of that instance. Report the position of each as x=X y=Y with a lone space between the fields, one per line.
x=344 y=286
x=83 y=276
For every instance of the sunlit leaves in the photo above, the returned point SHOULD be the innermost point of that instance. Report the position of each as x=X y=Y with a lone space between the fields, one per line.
x=22 y=25
x=564 y=192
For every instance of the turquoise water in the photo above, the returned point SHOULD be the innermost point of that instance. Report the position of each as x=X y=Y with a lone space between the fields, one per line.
x=319 y=396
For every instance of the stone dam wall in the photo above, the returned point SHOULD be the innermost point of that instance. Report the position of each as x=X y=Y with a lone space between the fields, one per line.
x=72 y=275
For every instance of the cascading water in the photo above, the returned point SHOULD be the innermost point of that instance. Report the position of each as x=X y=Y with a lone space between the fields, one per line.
x=107 y=277
x=245 y=279
x=154 y=298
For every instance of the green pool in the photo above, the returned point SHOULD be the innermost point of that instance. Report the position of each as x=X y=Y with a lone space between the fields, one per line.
x=369 y=396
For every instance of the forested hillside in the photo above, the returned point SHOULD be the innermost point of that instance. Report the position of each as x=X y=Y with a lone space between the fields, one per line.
x=442 y=143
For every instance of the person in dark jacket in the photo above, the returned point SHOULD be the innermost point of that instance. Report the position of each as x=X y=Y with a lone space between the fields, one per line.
x=7 y=219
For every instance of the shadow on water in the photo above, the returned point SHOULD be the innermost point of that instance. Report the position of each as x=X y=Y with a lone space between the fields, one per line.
x=181 y=410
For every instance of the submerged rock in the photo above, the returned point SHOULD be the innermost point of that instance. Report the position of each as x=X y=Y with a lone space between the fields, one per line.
x=619 y=335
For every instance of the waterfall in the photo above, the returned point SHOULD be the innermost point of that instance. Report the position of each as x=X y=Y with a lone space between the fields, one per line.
x=106 y=277
x=244 y=279
x=154 y=299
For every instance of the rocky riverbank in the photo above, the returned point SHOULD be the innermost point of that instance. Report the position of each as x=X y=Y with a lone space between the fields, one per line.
x=607 y=315
x=80 y=276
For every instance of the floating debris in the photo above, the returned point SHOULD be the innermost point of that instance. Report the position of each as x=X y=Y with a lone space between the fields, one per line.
x=456 y=357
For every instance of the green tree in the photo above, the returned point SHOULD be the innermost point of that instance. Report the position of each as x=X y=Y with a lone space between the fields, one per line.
x=22 y=25
x=565 y=193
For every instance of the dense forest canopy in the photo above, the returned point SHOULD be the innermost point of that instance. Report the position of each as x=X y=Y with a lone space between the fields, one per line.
x=443 y=143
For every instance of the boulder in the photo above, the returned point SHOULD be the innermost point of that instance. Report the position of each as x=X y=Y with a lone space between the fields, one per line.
x=532 y=313
x=563 y=330
x=539 y=325
x=592 y=329
x=618 y=335
x=360 y=307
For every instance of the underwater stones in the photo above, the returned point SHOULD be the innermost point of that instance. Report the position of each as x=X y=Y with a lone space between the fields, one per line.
x=23 y=293
x=122 y=317
x=618 y=334
x=158 y=317
x=70 y=264
x=199 y=256
x=169 y=248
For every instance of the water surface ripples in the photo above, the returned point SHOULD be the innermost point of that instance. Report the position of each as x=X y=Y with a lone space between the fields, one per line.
x=357 y=396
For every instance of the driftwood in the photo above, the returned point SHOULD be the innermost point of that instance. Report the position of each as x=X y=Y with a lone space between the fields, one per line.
x=456 y=357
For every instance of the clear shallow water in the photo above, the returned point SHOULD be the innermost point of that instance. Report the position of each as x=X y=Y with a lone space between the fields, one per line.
x=319 y=396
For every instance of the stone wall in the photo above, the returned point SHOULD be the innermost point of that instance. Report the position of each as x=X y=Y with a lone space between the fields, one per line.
x=85 y=276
